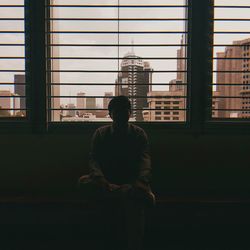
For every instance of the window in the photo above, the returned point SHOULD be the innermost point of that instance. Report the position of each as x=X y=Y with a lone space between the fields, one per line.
x=231 y=51
x=12 y=60
x=100 y=49
x=89 y=52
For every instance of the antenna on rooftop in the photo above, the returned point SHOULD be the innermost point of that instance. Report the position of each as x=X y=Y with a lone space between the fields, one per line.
x=132 y=46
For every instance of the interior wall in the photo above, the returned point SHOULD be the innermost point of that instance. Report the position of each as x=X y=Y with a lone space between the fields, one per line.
x=182 y=163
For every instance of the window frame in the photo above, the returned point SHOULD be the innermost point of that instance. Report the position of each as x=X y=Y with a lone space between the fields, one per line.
x=17 y=124
x=199 y=70
x=53 y=126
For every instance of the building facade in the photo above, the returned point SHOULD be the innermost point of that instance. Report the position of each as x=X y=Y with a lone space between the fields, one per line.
x=81 y=103
x=134 y=81
x=54 y=76
x=165 y=106
x=19 y=89
x=107 y=99
x=234 y=87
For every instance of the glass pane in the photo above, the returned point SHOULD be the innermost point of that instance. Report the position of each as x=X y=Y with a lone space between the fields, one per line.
x=12 y=61
x=231 y=59
x=100 y=49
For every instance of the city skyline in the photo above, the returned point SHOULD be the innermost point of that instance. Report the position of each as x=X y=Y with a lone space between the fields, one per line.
x=102 y=78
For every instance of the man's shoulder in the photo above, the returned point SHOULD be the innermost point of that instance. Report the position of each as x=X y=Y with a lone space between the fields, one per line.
x=104 y=129
x=136 y=129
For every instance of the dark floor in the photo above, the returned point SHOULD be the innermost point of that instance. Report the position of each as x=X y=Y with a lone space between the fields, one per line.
x=173 y=226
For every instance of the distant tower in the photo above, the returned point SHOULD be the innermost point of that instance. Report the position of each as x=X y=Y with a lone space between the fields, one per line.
x=55 y=65
x=90 y=104
x=19 y=89
x=134 y=81
x=106 y=100
x=81 y=103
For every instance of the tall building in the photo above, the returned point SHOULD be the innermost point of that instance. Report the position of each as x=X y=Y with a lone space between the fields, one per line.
x=169 y=105
x=229 y=62
x=182 y=64
x=81 y=103
x=90 y=104
x=107 y=99
x=19 y=89
x=55 y=66
x=135 y=81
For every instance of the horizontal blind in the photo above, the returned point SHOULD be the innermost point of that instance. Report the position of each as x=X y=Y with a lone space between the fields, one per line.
x=101 y=49
x=231 y=76
x=12 y=60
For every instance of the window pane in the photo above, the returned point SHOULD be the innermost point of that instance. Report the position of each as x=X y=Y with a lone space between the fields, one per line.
x=12 y=59
x=231 y=76
x=100 y=49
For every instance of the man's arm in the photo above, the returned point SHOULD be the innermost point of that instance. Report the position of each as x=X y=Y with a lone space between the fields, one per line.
x=94 y=158
x=144 y=162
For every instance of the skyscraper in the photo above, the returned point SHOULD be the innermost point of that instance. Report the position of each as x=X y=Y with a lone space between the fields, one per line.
x=230 y=62
x=90 y=104
x=106 y=100
x=182 y=64
x=81 y=103
x=55 y=67
x=135 y=81
x=19 y=89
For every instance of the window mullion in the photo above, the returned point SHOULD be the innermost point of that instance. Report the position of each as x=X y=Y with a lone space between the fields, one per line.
x=200 y=66
x=36 y=60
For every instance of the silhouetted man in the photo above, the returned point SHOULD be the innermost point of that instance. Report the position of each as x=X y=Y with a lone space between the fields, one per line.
x=120 y=165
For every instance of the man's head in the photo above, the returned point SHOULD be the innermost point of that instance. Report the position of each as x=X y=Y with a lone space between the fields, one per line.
x=120 y=110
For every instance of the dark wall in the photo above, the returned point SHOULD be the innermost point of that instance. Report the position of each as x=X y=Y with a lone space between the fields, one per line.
x=181 y=163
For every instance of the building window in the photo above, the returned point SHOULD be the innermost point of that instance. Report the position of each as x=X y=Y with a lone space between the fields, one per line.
x=12 y=60
x=104 y=49
x=231 y=43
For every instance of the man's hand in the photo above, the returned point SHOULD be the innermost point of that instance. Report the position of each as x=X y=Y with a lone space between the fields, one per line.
x=113 y=187
x=141 y=185
x=101 y=182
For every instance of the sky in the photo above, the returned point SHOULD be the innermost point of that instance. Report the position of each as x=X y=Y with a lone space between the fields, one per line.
x=128 y=39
